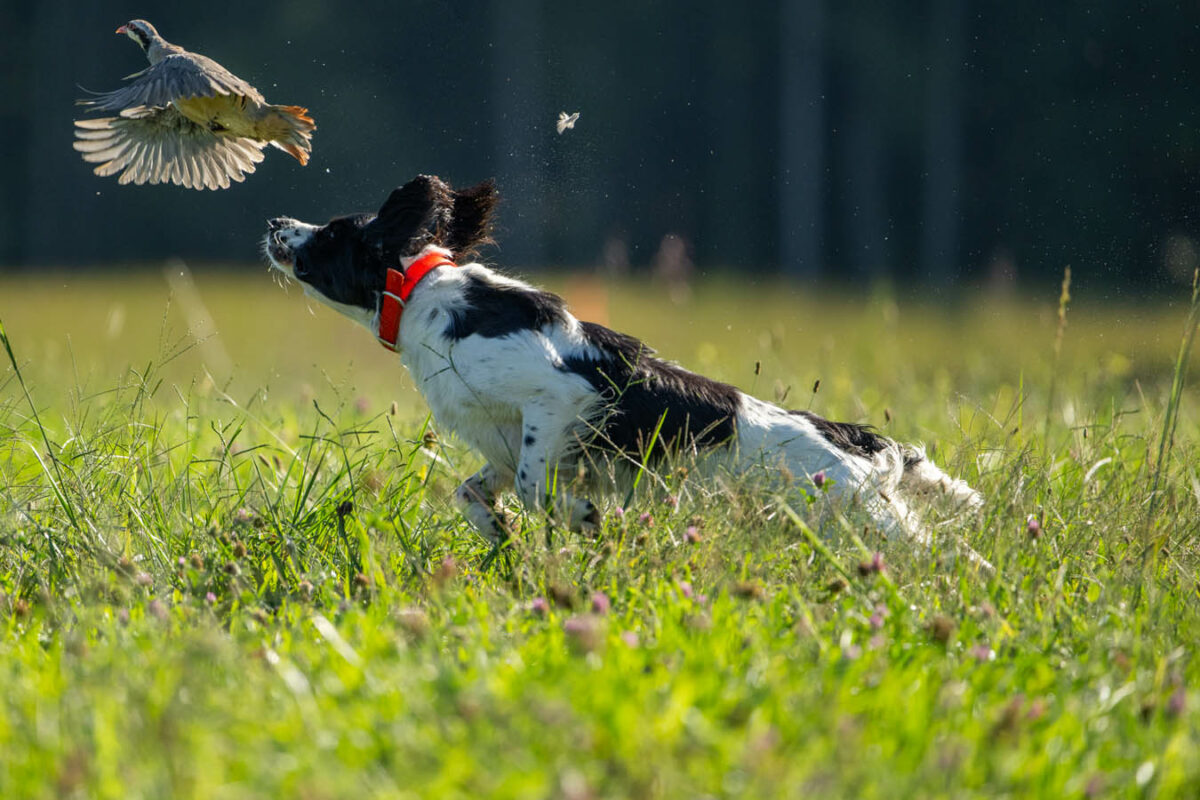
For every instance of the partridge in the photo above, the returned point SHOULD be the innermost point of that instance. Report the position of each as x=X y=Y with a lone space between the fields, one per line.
x=186 y=120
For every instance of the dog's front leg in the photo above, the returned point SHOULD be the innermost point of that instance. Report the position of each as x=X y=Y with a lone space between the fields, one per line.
x=544 y=474
x=476 y=497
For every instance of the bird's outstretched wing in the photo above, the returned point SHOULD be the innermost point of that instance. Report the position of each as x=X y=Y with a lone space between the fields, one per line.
x=160 y=145
x=176 y=76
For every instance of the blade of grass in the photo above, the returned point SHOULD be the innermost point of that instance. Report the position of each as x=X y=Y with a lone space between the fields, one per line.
x=57 y=486
x=1171 y=420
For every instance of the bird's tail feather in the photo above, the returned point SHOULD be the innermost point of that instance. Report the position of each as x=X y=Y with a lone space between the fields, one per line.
x=290 y=129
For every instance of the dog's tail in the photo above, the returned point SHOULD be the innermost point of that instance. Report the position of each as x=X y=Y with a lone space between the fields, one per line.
x=890 y=479
x=921 y=478
x=908 y=471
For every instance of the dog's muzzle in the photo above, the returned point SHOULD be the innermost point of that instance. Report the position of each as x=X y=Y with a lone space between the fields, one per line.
x=279 y=233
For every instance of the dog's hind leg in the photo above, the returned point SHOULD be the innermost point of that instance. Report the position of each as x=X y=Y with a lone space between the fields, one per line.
x=476 y=497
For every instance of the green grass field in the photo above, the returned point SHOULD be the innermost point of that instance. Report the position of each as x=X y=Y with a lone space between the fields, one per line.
x=229 y=567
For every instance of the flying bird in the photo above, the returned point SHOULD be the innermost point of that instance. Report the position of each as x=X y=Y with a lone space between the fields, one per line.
x=566 y=121
x=186 y=120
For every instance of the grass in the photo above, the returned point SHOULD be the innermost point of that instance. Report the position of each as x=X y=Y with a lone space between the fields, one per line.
x=230 y=568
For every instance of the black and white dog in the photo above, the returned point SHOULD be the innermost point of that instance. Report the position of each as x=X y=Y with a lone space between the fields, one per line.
x=561 y=408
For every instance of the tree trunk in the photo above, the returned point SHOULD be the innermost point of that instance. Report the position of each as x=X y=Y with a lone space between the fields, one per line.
x=521 y=123
x=941 y=215
x=801 y=137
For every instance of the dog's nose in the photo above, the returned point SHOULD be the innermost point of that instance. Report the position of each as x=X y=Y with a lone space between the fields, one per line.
x=279 y=222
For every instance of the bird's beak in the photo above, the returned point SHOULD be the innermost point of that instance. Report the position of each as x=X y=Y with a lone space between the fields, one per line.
x=123 y=29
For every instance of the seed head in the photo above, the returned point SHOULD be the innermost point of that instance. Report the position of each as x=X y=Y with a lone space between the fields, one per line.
x=414 y=621
x=600 y=603
x=1036 y=710
x=584 y=633
x=1177 y=702
x=981 y=652
x=1033 y=527
x=872 y=566
x=561 y=596
x=445 y=571
x=941 y=628
x=748 y=590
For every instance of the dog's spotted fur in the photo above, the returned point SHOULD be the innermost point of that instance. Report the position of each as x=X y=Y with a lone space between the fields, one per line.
x=559 y=408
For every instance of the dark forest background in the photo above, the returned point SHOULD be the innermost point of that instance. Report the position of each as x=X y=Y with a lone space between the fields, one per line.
x=934 y=141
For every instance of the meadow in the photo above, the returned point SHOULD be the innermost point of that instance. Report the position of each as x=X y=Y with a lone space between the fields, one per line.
x=229 y=566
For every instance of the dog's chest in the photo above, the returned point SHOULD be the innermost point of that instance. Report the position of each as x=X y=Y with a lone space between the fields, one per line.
x=458 y=380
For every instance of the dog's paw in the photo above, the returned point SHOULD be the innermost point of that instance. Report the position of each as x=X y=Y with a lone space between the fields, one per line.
x=585 y=518
x=497 y=529
x=493 y=524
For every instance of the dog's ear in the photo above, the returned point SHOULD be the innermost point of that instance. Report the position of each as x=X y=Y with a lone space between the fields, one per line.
x=471 y=220
x=416 y=214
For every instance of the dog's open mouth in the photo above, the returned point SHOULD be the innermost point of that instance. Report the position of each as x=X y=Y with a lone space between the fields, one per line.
x=278 y=252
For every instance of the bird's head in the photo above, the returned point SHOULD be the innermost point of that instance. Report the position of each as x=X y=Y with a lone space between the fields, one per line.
x=140 y=31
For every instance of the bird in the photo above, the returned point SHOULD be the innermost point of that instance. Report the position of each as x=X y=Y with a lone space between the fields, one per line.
x=566 y=121
x=186 y=120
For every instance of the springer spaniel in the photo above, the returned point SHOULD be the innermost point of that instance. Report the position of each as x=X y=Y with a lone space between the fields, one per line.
x=562 y=408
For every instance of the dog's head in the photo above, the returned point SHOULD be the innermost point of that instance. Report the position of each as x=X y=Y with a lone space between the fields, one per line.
x=344 y=263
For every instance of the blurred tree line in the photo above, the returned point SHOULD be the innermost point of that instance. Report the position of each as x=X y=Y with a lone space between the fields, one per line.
x=935 y=141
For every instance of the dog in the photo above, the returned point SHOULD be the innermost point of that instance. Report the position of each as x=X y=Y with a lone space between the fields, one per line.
x=562 y=409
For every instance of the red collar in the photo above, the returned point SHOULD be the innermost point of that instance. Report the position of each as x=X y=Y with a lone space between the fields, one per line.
x=399 y=288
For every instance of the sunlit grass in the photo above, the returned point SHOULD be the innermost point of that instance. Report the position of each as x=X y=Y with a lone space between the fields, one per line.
x=229 y=568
